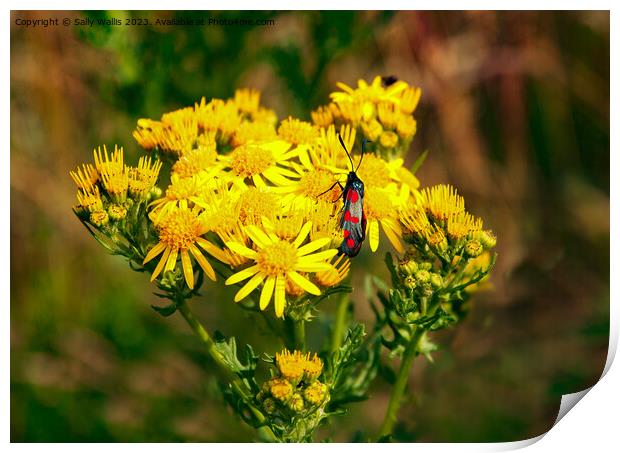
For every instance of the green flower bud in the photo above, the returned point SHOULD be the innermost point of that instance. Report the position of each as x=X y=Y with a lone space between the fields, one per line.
x=427 y=266
x=270 y=405
x=423 y=276
x=438 y=241
x=436 y=280
x=155 y=193
x=296 y=403
x=487 y=239
x=117 y=212
x=99 y=218
x=410 y=282
x=407 y=267
x=473 y=248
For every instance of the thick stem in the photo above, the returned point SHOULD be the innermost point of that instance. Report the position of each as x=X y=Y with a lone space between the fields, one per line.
x=401 y=384
x=299 y=333
x=340 y=323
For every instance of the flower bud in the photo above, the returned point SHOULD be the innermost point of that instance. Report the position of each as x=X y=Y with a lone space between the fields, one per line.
x=296 y=403
x=388 y=139
x=315 y=393
x=410 y=282
x=406 y=127
x=487 y=239
x=372 y=130
x=438 y=241
x=436 y=280
x=99 y=218
x=423 y=276
x=425 y=265
x=117 y=212
x=407 y=266
x=270 y=405
x=155 y=193
x=280 y=389
x=473 y=248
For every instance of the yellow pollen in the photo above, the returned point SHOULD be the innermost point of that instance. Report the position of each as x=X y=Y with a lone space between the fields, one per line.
x=315 y=183
x=378 y=205
x=194 y=161
x=276 y=259
x=251 y=160
x=374 y=171
x=298 y=132
x=254 y=204
x=180 y=229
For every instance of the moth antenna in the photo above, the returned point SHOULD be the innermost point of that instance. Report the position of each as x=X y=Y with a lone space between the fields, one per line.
x=345 y=150
x=364 y=141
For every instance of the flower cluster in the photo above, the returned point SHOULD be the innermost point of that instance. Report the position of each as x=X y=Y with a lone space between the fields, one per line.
x=109 y=188
x=254 y=195
x=383 y=110
x=295 y=391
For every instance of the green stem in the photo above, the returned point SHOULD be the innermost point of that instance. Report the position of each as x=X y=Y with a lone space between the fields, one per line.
x=299 y=333
x=340 y=322
x=223 y=367
x=400 y=385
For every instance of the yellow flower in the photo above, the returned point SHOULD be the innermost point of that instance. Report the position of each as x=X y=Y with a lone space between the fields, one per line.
x=186 y=190
x=280 y=389
x=143 y=177
x=325 y=222
x=89 y=199
x=409 y=99
x=315 y=393
x=249 y=132
x=247 y=100
x=180 y=230
x=291 y=365
x=275 y=261
x=461 y=224
x=260 y=162
x=111 y=164
x=177 y=132
x=314 y=185
x=336 y=274
x=85 y=177
x=380 y=210
x=388 y=139
x=221 y=117
x=441 y=202
x=298 y=132
x=372 y=130
x=373 y=92
x=415 y=220
x=254 y=204
x=328 y=152
x=196 y=160
x=286 y=225
x=323 y=116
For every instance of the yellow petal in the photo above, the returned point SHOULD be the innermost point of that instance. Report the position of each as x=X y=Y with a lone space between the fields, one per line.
x=172 y=260
x=202 y=261
x=392 y=235
x=320 y=256
x=258 y=181
x=250 y=286
x=241 y=249
x=373 y=235
x=312 y=267
x=304 y=283
x=161 y=264
x=212 y=250
x=242 y=275
x=303 y=233
x=154 y=252
x=186 y=262
x=258 y=236
x=312 y=246
x=265 y=295
x=280 y=297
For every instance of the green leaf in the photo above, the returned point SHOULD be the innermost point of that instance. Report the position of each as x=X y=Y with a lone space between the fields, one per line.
x=165 y=311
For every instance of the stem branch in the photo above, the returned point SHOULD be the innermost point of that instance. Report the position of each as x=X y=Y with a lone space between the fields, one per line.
x=340 y=322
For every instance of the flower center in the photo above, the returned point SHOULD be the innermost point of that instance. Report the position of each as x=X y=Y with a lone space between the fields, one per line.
x=181 y=189
x=315 y=183
x=194 y=161
x=378 y=205
x=374 y=171
x=180 y=229
x=297 y=132
x=254 y=204
x=277 y=258
x=251 y=160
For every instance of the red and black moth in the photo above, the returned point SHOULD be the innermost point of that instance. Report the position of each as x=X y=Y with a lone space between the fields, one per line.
x=353 y=219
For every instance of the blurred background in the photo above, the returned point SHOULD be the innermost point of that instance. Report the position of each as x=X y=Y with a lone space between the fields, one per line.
x=515 y=113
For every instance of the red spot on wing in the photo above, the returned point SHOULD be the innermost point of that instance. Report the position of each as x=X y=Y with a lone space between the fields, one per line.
x=347 y=216
x=346 y=233
x=350 y=243
x=353 y=196
x=355 y=219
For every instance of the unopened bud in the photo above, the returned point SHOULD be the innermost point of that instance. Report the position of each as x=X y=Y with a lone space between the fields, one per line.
x=436 y=280
x=117 y=212
x=270 y=405
x=410 y=282
x=315 y=393
x=487 y=239
x=473 y=248
x=423 y=276
x=296 y=403
x=99 y=218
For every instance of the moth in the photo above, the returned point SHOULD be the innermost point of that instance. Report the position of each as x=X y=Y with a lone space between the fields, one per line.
x=353 y=218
